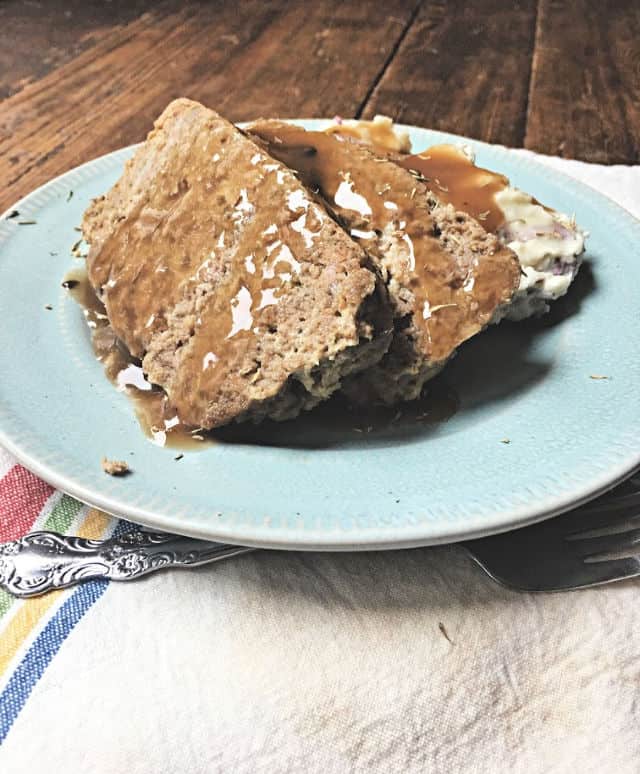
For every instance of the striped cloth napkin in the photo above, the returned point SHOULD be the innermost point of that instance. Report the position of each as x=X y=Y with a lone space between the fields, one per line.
x=32 y=631
x=405 y=661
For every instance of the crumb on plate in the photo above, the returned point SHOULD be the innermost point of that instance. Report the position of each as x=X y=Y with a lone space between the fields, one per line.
x=115 y=467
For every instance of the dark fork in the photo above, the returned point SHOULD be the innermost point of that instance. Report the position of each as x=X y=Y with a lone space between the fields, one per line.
x=593 y=544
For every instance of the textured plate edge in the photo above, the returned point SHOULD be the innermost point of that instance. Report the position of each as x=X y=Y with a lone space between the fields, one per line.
x=317 y=540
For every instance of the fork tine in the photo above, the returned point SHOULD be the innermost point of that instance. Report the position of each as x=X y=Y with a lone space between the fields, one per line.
x=605 y=526
x=545 y=568
x=613 y=513
x=606 y=570
x=625 y=543
x=572 y=551
x=613 y=503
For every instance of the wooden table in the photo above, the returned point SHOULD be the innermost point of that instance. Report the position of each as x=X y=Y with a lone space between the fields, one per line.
x=79 y=78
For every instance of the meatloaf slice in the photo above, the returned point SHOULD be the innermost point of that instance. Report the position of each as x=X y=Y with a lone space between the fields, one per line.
x=445 y=274
x=241 y=295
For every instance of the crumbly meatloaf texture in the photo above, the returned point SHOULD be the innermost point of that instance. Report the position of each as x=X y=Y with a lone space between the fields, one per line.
x=444 y=273
x=115 y=467
x=217 y=267
x=408 y=364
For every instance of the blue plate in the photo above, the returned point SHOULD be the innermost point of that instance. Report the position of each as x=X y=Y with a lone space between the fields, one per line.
x=314 y=484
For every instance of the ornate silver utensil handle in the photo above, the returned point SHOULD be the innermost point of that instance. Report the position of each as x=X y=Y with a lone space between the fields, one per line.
x=43 y=561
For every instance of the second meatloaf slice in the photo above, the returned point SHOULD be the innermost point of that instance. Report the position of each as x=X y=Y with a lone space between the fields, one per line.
x=240 y=294
x=446 y=276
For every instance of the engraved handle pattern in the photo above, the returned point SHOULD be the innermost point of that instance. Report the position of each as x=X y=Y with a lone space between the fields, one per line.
x=43 y=561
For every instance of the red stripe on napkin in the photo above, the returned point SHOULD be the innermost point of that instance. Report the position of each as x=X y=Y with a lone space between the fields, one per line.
x=22 y=497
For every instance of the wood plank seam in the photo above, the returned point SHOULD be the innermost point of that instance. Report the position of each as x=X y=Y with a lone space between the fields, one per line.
x=107 y=95
x=462 y=67
x=389 y=59
x=532 y=67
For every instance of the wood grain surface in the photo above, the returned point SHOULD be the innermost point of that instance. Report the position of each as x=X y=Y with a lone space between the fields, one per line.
x=463 y=67
x=585 y=87
x=81 y=77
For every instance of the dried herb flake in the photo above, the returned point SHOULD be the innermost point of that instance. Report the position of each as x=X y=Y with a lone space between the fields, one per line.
x=444 y=633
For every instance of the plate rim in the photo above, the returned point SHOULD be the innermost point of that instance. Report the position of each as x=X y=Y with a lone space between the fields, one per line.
x=375 y=538
x=378 y=542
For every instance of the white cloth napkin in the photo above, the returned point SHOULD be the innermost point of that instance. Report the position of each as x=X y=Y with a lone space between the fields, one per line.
x=286 y=662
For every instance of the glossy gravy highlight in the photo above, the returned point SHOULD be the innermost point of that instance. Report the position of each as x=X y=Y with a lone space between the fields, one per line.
x=158 y=419
x=381 y=205
x=456 y=180
x=221 y=236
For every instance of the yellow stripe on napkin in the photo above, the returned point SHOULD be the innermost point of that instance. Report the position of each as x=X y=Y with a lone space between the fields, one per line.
x=33 y=610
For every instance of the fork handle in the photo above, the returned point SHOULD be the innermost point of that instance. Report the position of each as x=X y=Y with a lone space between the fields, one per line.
x=43 y=561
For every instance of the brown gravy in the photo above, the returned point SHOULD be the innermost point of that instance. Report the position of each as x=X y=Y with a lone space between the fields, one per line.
x=379 y=134
x=335 y=420
x=157 y=418
x=221 y=215
x=375 y=198
x=456 y=180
